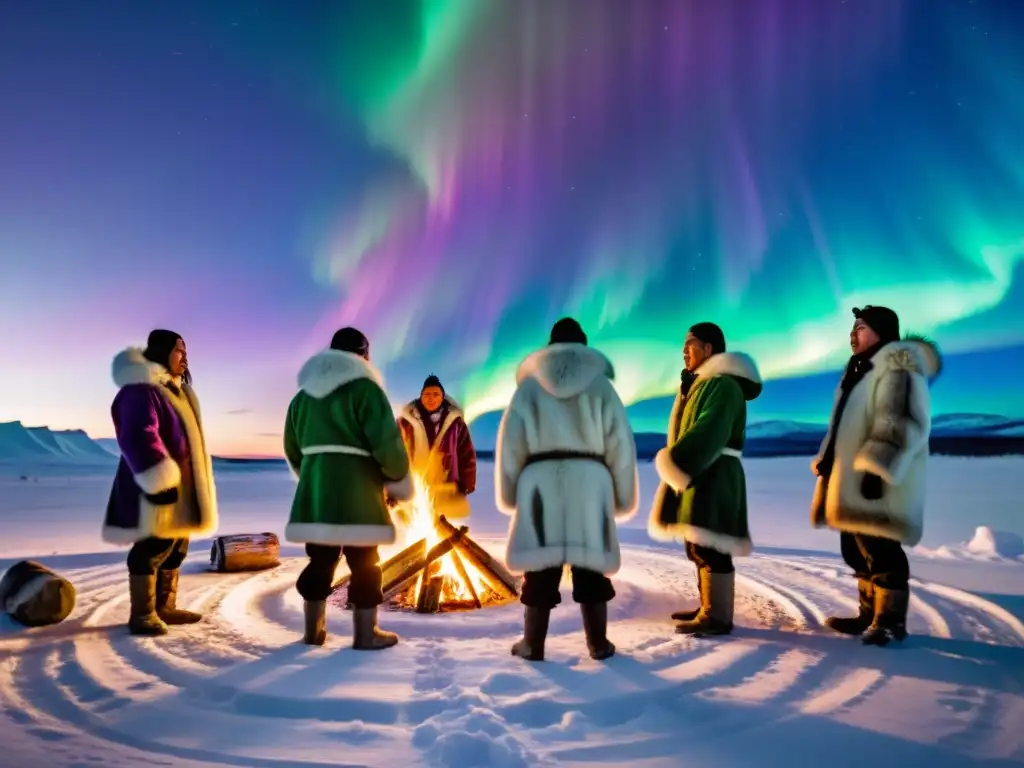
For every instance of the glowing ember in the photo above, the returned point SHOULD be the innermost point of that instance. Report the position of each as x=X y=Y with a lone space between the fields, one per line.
x=421 y=523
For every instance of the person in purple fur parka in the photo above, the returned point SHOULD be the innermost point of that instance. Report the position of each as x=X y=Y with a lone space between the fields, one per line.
x=163 y=491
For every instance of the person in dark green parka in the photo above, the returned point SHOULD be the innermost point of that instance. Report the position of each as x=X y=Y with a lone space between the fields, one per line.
x=342 y=442
x=702 y=498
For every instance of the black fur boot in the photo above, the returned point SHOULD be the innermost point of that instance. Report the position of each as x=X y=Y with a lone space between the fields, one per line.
x=535 y=632
x=890 y=617
x=856 y=625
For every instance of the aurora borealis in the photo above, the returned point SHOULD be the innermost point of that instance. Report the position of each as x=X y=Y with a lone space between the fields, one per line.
x=452 y=176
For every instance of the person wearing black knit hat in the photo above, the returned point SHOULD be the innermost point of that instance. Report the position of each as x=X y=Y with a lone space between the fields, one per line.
x=701 y=501
x=440 y=448
x=342 y=443
x=566 y=471
x=871 y=468
x=164 y=491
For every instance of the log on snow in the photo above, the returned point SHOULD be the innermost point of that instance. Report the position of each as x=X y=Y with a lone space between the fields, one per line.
x=245 y=552
x=35 y=596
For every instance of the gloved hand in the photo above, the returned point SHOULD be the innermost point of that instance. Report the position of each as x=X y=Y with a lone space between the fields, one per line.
x=164 y=498
x=871 y=487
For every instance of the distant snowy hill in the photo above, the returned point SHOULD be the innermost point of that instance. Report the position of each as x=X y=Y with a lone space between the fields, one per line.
x=109 y=444
x=41 y=444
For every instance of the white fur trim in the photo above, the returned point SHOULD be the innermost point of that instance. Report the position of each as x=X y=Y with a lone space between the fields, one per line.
x=679 y=533
x=131 y=367
x=627 y=513
x=187 y=408
x=120 y=536
x=565 y=370
x=552 y=557
x=160 y=477
x=730 y=364
x=331 y=368
x=720 y=542
x=339 y=535
x=401 y=490
x=669 y=473
x=912 y=354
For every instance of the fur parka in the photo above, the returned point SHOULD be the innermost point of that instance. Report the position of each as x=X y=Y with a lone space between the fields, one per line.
x=884 y=431
x=566 y=462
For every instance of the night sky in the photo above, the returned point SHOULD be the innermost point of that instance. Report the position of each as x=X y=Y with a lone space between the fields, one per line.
x=453 y=176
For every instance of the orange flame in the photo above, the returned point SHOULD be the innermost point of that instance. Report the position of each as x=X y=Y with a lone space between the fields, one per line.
x=421 y=523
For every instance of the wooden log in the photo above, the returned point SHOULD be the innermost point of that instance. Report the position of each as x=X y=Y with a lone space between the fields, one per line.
x=430 y=595
x=497 y=575
x=460 y=568
x=34 y=595
x=393 y=565
x=436 y=552
x=245 y=552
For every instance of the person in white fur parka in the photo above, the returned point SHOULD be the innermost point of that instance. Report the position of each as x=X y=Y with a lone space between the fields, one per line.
x=871 y=468
x=566 y=471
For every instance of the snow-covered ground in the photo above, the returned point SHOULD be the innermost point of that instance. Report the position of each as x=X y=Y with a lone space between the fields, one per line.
x=239 y=689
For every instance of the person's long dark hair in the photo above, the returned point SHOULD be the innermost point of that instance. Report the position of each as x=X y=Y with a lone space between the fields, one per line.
x=159 y=347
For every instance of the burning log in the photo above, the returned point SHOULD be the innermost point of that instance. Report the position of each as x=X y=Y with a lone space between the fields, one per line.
x=497 y=575
x=460 y=568
x=436 y=552
x=245 y=552
x=443 y=570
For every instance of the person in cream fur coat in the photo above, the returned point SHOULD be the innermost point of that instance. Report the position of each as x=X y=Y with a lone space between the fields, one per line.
x=871 y=468
x=566 y=471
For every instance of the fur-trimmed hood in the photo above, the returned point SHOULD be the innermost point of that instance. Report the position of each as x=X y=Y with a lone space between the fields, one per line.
x=740 y=366
x=410 y=411
x=130 y=367
x=913 y=353
x=565 y=370
x=327 y=370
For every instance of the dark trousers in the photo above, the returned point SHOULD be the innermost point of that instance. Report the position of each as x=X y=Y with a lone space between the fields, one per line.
x=872 y=558
x=364 y=586
x=711 y=559
x=147 y=556
x=540 y=588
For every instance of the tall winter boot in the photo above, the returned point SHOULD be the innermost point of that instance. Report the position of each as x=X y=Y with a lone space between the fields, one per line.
x=143 y=619
x=716 y=609
x=856 y=625
x=535 y=632
x=315 y=622
x=692 y=614
x=167 y=600
x=890 y=617
x=595 y=626
x=366 y=636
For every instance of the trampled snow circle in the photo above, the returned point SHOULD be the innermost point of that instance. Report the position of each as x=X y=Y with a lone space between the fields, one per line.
x=241 y=689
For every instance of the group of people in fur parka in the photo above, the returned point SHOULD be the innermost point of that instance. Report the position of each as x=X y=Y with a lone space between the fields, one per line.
x=565 y=470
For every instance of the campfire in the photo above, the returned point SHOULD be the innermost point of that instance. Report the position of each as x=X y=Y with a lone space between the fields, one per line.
x=443 y=569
